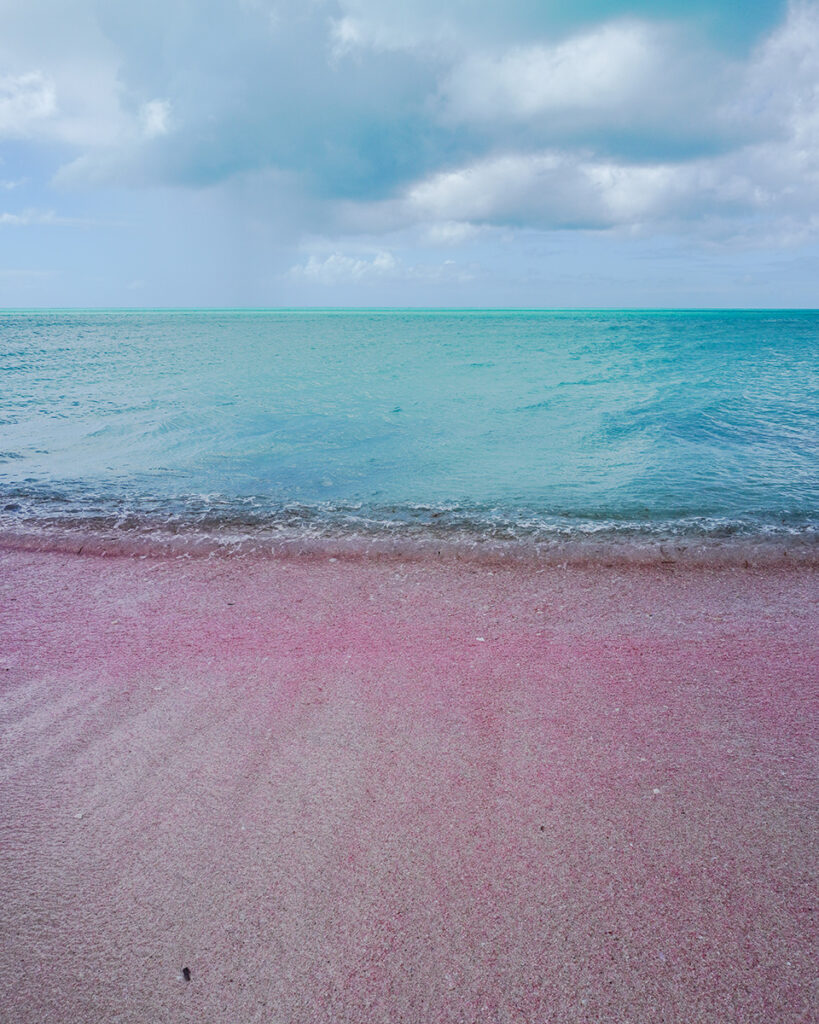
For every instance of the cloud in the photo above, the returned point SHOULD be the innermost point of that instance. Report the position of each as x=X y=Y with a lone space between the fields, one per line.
x=600 y=70
x=555 y=190
x=435 y=27
x=30 y=217
x=451 y=233
x=379 y=124
x=154 y=118
x=635 y=88
x=367 y=99
x=338 y=267
x=763 y=178
x=253 y=86
x=26 y=101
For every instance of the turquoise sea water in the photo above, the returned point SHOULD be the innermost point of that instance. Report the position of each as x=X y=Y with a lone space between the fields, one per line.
x=484 y=425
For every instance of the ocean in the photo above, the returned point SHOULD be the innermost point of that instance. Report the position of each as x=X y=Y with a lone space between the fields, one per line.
x=552 y=434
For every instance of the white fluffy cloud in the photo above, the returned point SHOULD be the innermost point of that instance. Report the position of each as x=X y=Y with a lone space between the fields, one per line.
x=344 y=268
x=339 y=267
x=560 y=190
x=764 y=176
x=63 y=81
x=26 y=102
x=598 y=70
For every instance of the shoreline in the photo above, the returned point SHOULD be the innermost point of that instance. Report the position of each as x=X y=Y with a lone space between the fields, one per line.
x=385 y=789
x=607 y=549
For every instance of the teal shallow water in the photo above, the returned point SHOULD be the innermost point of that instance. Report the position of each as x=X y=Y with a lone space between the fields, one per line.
x=501 y=423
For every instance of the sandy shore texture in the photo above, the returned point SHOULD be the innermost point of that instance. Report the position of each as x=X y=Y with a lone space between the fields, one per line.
x=405 y=792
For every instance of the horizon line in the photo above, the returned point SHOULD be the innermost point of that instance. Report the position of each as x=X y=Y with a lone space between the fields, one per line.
x=408 y=309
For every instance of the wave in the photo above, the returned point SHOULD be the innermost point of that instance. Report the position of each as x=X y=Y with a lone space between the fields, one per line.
x=216 y=525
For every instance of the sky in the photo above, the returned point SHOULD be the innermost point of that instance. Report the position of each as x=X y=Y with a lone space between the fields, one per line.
x=536 y=153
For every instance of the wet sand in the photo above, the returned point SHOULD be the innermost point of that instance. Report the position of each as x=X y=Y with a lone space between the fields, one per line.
x=362 y=791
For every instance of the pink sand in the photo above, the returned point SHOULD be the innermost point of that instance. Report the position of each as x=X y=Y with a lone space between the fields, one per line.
x=371 y=791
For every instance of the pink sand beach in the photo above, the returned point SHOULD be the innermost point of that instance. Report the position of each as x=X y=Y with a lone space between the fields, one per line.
x=379 y=791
